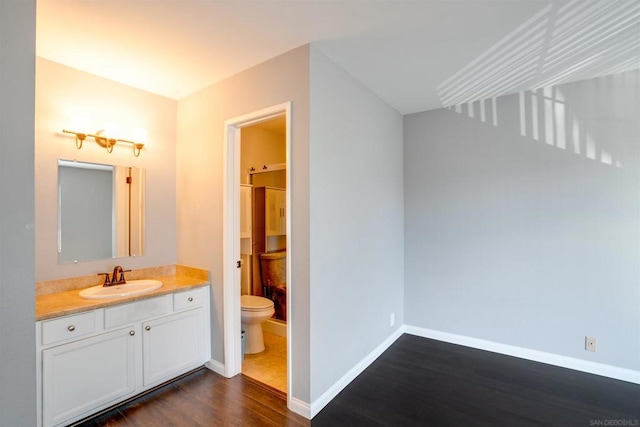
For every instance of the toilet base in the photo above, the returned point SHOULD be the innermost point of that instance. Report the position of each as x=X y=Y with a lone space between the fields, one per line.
x=254 y=340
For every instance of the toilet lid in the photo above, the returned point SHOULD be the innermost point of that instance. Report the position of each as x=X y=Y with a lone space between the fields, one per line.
x=252 y=302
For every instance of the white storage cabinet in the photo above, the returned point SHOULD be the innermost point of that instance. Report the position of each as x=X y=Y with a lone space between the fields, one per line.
x=89 y=361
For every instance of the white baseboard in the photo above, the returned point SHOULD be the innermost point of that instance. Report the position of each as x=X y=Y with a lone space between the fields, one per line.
x=295 y=405
x=525 y=353
x=310 y=410
x=216 y=367
x=299 y=407
x=338 y=386
x=275 y=327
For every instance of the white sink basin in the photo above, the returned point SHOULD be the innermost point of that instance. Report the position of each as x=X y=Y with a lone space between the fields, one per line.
x=132 y=287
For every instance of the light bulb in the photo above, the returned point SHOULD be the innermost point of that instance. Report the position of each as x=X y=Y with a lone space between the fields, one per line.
x=140 y=135
x=81 y=123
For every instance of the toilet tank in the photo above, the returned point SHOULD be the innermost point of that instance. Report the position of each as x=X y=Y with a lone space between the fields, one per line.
x=273 y=271
x=273 y=268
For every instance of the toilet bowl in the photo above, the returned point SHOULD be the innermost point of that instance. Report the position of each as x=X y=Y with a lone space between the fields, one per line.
x=253 y=311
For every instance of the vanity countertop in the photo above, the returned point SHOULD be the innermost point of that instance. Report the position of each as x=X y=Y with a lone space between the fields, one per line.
x=69 y=302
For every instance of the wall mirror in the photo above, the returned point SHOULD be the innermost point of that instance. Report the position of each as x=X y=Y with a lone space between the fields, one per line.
x=100 y=211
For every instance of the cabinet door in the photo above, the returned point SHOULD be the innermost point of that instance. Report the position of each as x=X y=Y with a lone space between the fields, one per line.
x=172 y=345
x=245 y=212
x=272 y=213
x=283 y=212
x=276 y=212
x=86 y=374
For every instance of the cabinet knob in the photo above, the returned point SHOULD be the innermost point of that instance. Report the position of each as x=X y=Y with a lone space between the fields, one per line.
x=132 y=333
x=147 y=328
x=190 y=299
x=71 y=328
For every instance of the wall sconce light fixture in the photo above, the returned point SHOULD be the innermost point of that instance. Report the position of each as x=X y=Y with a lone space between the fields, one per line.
x=104 y=140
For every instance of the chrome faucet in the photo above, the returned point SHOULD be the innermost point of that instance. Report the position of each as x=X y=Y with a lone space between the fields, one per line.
x=117 y=278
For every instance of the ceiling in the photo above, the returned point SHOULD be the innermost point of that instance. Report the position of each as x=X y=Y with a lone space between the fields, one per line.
x=415 y=54
x=276 y=125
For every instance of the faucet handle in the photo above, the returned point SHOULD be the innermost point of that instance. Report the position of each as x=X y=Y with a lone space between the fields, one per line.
x=121 y=279
x=107 y=282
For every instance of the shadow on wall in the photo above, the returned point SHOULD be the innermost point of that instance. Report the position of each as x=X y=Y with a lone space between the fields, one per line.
x=556 y=116
x=566 y=41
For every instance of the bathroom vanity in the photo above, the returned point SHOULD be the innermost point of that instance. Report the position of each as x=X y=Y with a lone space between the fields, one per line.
x=93 y=354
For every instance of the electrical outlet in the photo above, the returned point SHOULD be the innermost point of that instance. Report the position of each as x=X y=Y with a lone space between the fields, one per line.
x=392 y=319
x=589 y=343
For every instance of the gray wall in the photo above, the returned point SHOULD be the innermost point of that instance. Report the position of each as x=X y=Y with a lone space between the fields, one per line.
x=356 y=232
x=17 y=340
x=523 y=228
x=200 y=151
x=63 y=95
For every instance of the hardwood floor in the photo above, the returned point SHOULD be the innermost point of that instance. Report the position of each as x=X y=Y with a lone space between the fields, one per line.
x=204 y=398
x=422 y=382
x=416 y=382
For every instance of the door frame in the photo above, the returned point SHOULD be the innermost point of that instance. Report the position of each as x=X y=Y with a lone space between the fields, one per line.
x=231 y=235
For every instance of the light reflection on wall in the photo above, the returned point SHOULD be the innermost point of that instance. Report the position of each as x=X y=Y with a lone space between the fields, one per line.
x=487 y=110
x=565 y=41
x=544 y=116
x=561 y=125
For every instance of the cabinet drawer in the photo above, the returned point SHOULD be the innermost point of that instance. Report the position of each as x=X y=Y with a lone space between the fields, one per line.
x=68 y=327
x=127 y=314
x=188 y=299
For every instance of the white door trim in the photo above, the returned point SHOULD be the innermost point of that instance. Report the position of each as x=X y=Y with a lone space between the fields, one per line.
x=231 y=236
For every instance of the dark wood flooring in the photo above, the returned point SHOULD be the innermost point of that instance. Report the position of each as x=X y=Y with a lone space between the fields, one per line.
x=204 y=398
x=416 y=382
x=422 y=382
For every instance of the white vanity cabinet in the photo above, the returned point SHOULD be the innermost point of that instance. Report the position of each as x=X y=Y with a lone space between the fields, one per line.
x=86 y=374
x=92 y=360
x=171 y=344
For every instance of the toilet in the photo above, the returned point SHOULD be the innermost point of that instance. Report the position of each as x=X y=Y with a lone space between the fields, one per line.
x=253 y=311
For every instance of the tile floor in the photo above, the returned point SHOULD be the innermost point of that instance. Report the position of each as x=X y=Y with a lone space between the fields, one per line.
x=270 y=366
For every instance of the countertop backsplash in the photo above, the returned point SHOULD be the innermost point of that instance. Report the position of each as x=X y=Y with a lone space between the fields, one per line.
x=81 y=282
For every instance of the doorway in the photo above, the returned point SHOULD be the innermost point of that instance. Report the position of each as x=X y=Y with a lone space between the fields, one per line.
x=232 y=259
